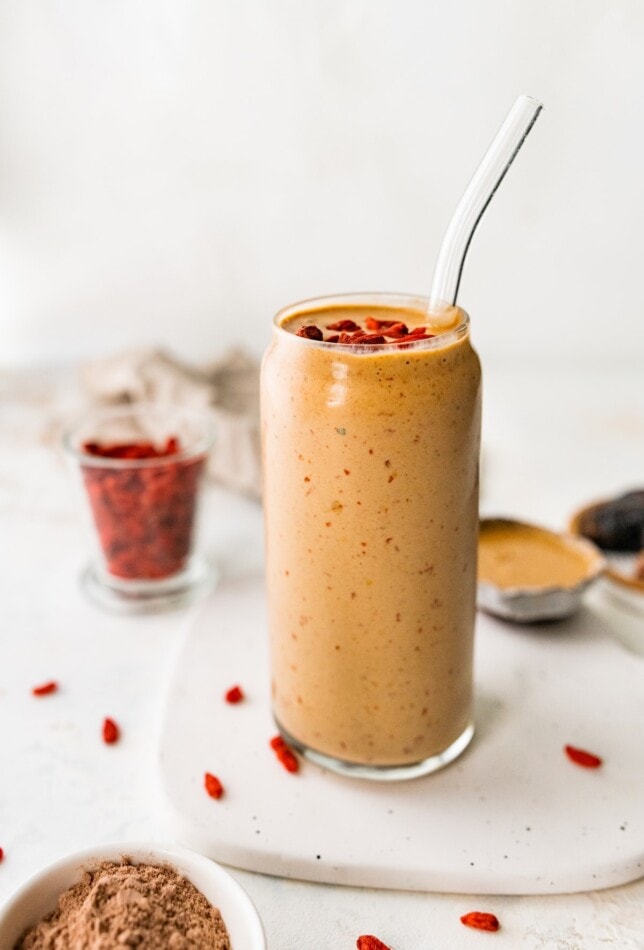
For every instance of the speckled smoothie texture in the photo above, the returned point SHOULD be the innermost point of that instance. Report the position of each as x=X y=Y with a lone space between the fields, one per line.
x=371 y=501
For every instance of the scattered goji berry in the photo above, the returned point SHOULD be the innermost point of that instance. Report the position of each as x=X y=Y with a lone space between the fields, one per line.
x=1 y=854
x=46 y=689
x=480 y=920
x=111 y=732
x=368 y=942
x=234 y=694
x=580 y=757
x=285 y=754
x=213 y=786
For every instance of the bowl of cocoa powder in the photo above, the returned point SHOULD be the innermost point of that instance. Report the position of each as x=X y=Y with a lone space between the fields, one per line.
x=131 y=896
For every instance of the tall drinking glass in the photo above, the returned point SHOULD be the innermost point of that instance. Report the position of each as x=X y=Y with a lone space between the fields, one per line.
x=371 y=512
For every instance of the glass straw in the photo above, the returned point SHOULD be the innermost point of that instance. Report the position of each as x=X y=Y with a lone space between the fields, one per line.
x=478 y=194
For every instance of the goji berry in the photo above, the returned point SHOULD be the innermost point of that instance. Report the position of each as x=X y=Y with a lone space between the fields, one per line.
x=345 y=337
x=1 y=854
x=396 y=331
x=368 y=942
x=368 y=339
x=310 y=333
x=111 y=732
x=234 y=694
x=372 y=324
x=46 y=689
x=213 y=786
x=419 y=333
x=480 y=920
x=375 y=332
x=132 y=450
x=404 y=342
x=346 y=325
x=580 y=757
x=285 y=754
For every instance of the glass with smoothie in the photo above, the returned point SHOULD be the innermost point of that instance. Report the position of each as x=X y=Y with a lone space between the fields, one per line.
x=371 y=431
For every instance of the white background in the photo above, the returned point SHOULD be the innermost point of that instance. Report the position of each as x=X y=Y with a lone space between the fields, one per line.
x=173 y=171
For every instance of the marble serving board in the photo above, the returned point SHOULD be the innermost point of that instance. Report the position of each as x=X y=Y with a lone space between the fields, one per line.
x=512 y=816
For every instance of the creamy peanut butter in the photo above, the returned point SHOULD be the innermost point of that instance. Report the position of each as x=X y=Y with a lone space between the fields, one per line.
x=512 y=554
x=371 y=507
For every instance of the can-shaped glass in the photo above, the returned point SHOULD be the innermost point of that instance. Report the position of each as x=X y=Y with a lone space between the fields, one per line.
x=370 y=457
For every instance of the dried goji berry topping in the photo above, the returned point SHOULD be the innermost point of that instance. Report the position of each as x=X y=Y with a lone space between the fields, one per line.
x=372 y=324
x=346 y=337
x=405 y=341
x=580 y=757
x=368 y=942
x=111 y=732
x=234 y=695
x=480 y=920
x=374 y=332
x=347 y=325
x=310 y=333
x=368 y=339
x=1 y=854
x=285 y=754
x=46 y=689
x=397 y=330
x=212 y=785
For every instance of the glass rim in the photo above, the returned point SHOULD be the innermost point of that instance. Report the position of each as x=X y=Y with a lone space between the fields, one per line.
x=201 y=447
x=377 y=298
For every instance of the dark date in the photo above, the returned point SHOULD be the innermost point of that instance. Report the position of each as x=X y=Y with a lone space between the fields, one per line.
x=616 y=525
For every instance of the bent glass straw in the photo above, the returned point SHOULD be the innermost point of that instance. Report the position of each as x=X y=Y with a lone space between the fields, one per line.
x=478 y=194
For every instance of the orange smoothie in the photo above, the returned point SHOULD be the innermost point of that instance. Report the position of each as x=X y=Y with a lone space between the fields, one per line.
x=371 y=511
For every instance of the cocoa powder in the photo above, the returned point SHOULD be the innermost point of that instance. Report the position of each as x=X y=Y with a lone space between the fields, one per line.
x=121 y=905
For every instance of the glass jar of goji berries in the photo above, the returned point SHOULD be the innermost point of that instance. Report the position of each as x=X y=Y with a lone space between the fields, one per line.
x=141 y=470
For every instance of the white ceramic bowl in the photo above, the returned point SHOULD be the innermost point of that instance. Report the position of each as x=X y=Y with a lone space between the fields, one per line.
x=39 y=895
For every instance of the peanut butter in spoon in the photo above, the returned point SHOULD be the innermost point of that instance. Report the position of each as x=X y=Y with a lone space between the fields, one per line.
x=516 y=555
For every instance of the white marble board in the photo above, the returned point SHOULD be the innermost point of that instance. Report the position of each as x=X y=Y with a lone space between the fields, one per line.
x=512 y=816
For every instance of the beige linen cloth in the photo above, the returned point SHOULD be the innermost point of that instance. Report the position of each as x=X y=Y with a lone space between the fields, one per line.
x=229 y=387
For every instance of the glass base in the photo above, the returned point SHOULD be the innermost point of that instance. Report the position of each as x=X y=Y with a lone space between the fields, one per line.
x=137 y=597
x=384 y=773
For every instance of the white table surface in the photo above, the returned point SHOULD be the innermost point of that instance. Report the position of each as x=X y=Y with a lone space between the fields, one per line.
x=551 y=442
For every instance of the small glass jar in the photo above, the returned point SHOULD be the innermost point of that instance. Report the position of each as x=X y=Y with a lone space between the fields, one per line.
x=141 y=470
